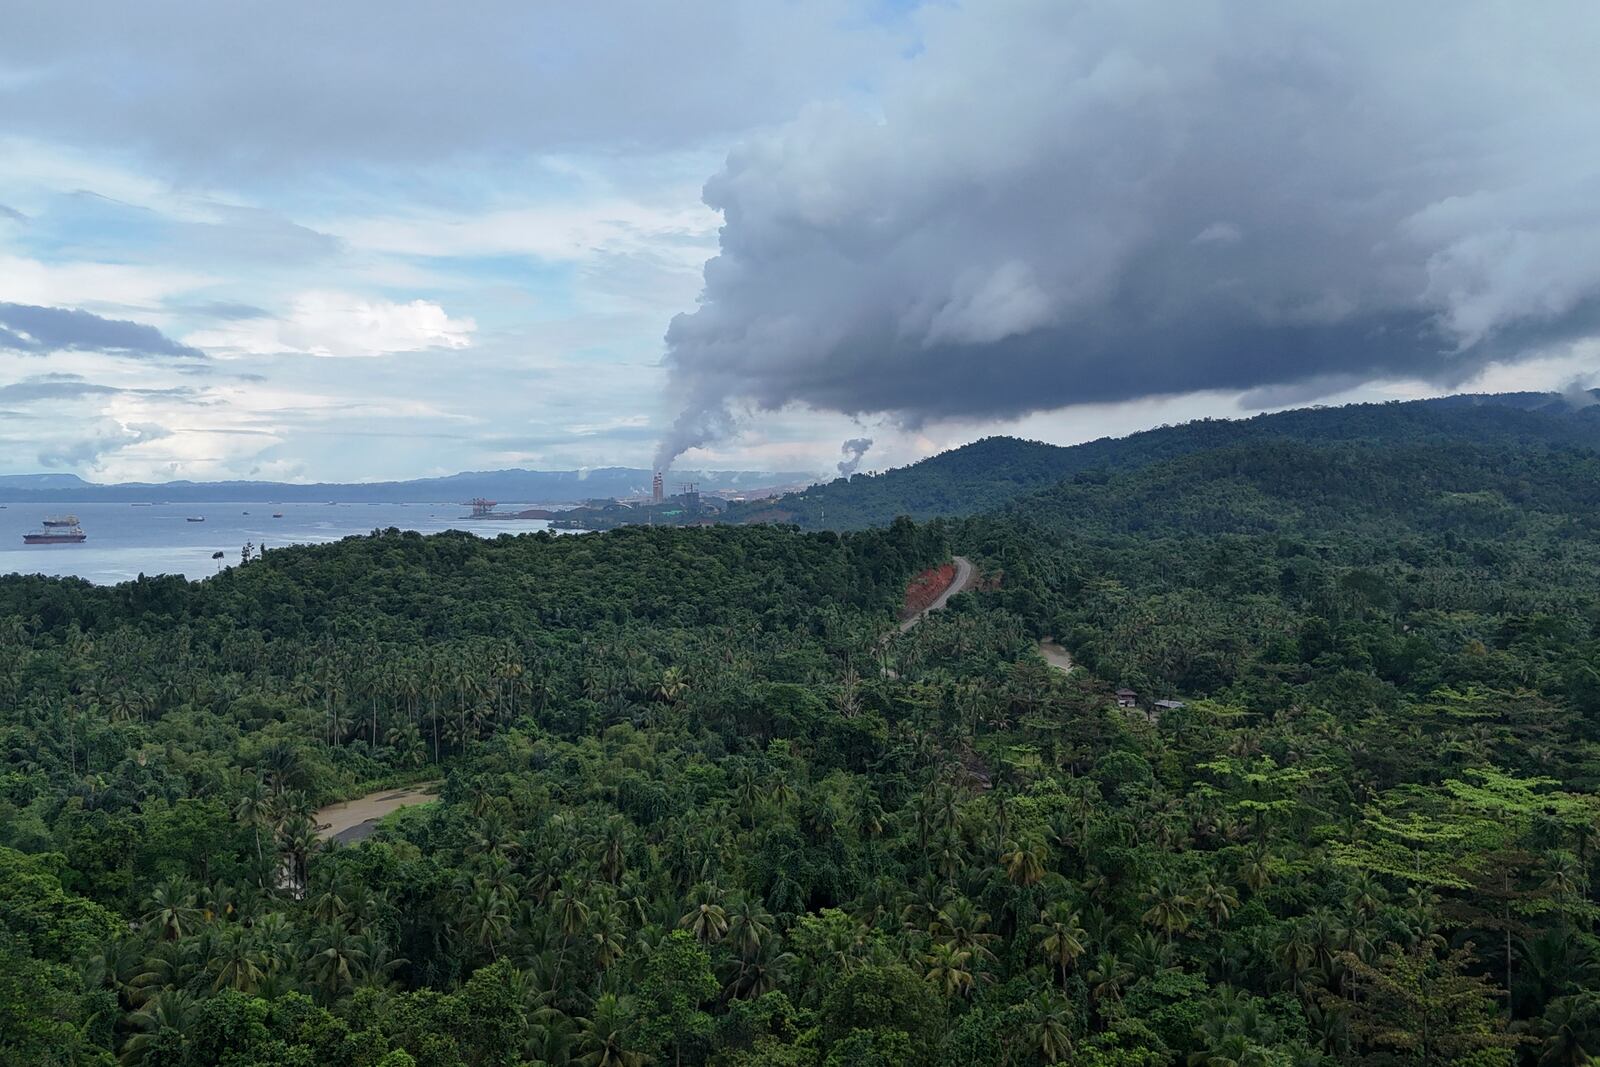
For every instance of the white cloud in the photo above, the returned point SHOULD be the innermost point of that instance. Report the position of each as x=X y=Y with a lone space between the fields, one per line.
x=341 y=324
x=564 y=232
x=131 y=290
x=1223 y=233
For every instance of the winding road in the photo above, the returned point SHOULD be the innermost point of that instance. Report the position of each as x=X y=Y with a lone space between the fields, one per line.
x=962 y=579
x=1053 y=653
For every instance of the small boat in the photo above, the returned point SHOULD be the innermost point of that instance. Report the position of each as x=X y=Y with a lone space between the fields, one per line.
x=244 y=513
x=277 y=514
x=61 y=520
x=197 y=518
x=56 y=535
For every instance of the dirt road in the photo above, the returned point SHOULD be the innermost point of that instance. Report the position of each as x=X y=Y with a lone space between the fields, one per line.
x=1056 y=656
x=962 y=579
x=351 y=820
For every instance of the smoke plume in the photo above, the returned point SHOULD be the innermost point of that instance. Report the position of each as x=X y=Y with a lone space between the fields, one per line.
x=1098 y=201
x=853 y=450
x=1579 y=394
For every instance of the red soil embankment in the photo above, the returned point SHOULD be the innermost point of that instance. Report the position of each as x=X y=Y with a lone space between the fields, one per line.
x=926 y=587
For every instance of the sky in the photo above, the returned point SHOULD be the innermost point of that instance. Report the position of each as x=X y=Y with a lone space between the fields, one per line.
x=386 y=239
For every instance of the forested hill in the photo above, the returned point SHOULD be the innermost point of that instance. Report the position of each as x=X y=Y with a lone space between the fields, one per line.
x=702 y=803
x=1239 y=570
x=986 y=474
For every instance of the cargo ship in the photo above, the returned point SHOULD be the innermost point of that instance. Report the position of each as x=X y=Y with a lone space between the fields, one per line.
x=56 y=534
x=61 y=520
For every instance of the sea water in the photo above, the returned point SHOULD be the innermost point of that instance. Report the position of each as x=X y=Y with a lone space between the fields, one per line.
x=126 y=540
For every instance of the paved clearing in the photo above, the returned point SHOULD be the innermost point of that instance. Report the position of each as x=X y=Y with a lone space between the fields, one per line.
x=349 y=821
x=1056 y=656
x=962 y=579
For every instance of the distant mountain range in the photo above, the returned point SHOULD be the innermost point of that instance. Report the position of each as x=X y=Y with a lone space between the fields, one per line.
x=515 y=486
x=974 y=478
x=990 y=473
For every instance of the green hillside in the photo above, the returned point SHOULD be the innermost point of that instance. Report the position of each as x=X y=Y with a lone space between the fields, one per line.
x=702 y=802
x=987 y=473
x=1235 y=568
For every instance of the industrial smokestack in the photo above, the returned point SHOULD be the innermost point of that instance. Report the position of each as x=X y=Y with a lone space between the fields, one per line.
x=656 y=495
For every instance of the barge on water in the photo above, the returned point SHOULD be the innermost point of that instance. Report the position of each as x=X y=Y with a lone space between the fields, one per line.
x=56 y=534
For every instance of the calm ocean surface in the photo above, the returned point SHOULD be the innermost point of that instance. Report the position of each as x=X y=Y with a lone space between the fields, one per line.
x=126 y=540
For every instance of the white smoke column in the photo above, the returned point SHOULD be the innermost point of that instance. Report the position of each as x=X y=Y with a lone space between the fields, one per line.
x=853 y=450
x=1579 y=394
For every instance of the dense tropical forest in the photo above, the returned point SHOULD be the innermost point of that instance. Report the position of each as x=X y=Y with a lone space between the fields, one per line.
x=701 y=801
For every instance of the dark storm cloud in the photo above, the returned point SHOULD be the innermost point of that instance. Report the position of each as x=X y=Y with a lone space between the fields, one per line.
x=28 y=328
x=1068 y=203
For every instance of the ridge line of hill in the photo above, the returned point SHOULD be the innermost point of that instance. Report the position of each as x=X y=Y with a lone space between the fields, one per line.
x=991 y=472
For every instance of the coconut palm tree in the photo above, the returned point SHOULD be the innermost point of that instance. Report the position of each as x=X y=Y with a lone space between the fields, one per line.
x=963 y=926
x=1024 y=863
x=570 y=911
x=237 y=963
x=336 y=961
x=250 y=809
x=950 y=970
x=781 y=793
x=1570 y=1031
x=607 y=933
x=406 y=741
x=672 y=686
x=614 y=858
x=380 y=964
x=706 y=918
x=276 y=940
x=172 y=909
x=330 y=903
x=1217 y=899
x=760 y=972
x=1108 y=976
x=487 y=917
x=1048 y=1028
x=603 y=1039
x=1061 y=937
x=170 y=1011
x=1166 y=908
x=116 y=967
x=749 y=924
